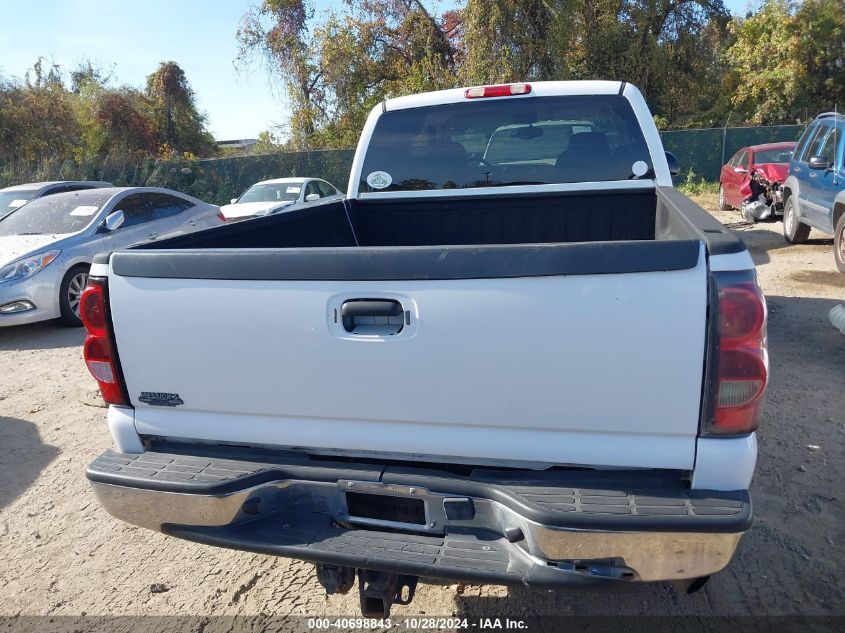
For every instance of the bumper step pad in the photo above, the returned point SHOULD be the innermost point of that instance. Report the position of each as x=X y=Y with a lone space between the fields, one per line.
x=484 y=556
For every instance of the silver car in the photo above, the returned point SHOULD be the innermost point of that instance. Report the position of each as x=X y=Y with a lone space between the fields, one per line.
x=13 y=198
x=280 y=194
x=46 y=246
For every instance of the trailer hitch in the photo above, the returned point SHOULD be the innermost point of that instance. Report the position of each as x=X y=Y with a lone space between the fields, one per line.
x=379 y=591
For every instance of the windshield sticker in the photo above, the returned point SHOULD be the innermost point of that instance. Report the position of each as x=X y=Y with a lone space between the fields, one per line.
x=14 y=204
x=85 y=210
x=639 y=169
x=293 y=189
x=379 y=180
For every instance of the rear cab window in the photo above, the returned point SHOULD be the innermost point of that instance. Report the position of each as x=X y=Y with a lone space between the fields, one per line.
x=504 y=142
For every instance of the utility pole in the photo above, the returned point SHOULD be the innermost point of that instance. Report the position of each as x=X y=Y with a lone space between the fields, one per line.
x=725 y=135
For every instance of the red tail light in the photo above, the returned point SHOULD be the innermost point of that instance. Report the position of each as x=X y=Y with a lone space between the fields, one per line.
x=502 y=90
x=220 y=216
x=99 y=351
x=742 y=365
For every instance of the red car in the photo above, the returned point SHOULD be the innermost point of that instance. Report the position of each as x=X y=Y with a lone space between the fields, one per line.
x=775 y=156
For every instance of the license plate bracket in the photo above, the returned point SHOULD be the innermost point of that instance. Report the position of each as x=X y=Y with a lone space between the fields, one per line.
x=388 y=508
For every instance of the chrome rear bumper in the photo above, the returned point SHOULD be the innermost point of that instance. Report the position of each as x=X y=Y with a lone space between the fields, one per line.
x=473 y=530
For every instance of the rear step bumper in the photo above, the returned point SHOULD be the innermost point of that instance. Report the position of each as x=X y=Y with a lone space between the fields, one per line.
x=516 y=527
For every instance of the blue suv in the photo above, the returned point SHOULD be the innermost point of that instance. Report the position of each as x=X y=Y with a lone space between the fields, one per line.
x=814 y=191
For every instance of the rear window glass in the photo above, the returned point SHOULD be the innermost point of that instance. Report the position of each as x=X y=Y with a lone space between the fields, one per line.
x=274 y=192
x=782 y=155
x=57 y=214
x=518 y=141
x=11 y=200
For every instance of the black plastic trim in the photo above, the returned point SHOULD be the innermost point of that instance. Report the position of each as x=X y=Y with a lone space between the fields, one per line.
x=410 y=263
x=458 y=557
x=678 y=217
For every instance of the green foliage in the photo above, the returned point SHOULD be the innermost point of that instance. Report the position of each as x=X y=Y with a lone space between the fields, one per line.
x=336 y=67
x=788 y=63
x=43 y=120
x=694 y=185
x=335 y=70
x=696 y=66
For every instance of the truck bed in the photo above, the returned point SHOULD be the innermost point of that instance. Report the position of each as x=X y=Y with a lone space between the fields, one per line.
x=660 y=214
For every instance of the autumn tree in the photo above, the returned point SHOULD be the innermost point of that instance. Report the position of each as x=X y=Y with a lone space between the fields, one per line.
x=43 y=116
x=176 y=120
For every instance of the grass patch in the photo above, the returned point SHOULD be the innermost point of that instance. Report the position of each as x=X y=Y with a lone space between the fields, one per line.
x=695 y=186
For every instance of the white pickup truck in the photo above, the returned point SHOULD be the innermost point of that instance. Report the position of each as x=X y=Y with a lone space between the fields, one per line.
x=514 y=355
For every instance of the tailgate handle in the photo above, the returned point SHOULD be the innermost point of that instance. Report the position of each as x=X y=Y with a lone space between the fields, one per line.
x=374 y=317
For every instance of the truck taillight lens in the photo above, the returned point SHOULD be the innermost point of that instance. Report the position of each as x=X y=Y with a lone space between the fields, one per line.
x=502 y=90
x=99 y=351
x=742 y=364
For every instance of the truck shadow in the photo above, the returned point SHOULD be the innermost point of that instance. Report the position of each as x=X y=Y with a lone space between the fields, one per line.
x=832 y=278
x=45 y=335
x=764 y=237
x=23 y=457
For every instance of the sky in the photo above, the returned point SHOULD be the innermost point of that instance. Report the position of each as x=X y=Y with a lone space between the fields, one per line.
x=130 y=38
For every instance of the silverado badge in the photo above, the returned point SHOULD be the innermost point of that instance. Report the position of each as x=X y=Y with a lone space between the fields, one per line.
x=158 y=399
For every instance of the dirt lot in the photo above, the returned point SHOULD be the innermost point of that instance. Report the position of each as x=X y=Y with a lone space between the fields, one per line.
x=63 y=555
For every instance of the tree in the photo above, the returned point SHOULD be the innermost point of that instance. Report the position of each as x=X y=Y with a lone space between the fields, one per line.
x=267 y=143
x=787 y=61
x=41 y=118
x=176 y=121
x=516 y=40
x=36 y=115
x=334 y=71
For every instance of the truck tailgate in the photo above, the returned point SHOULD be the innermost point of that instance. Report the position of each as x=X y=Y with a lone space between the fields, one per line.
x=581 y=369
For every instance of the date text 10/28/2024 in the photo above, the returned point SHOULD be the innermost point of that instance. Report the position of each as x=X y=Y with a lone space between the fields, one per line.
x=418 y=624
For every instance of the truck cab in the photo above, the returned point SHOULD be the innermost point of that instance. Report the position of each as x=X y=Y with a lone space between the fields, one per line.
x=814 y=192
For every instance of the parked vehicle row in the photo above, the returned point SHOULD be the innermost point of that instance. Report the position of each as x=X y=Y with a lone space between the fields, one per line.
x=804 y=182
x=751 y=180
x=50 y=232
x=48 y=244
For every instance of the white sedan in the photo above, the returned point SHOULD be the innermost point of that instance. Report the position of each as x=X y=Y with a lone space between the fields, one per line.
x=281 y=194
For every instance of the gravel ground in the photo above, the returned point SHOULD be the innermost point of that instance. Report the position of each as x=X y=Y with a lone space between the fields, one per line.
x=63 y=555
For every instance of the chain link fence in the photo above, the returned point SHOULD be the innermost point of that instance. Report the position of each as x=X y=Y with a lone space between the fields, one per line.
x=216 y=180
x=221 y=179
x=701 y=152
x=704 y=151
